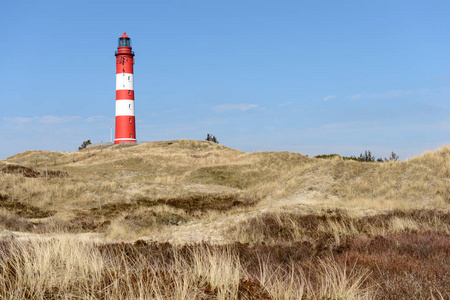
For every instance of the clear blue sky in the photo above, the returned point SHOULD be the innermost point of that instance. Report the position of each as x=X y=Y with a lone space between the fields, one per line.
x=313 y=77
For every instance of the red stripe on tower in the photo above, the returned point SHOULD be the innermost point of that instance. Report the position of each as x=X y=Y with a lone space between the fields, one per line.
x=125 y=122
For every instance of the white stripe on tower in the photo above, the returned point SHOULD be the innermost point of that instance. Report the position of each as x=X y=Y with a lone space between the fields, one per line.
x=124 y=81
x=124 y=107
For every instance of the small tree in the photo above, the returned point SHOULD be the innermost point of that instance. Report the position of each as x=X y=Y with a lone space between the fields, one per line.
x=84 y=144
x=211 y=138
x=366 y=157
x=393 y=157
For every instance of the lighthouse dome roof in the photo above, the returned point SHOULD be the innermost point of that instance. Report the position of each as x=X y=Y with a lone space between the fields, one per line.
x=124 y=35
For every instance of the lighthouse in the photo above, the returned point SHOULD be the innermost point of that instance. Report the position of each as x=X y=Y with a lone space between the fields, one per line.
x=125 y=122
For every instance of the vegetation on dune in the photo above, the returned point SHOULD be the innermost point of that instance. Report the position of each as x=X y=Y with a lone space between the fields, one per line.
x=332 y=227
x=366 y=157
x=289 y=226
x=84 y=144
x=211 y=138
x=404 y=265
x=202 y=176
x=23 y=210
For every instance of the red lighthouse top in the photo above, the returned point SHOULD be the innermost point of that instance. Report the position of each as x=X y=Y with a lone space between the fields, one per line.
x=124 y=41
x=124 y=46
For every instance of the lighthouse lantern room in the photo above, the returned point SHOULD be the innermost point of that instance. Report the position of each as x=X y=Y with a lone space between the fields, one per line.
x=125 y=122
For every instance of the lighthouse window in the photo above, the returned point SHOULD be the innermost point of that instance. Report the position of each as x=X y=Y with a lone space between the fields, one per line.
x=129 y=92
x=130 y=136
x=129 y=78
x=129 y=120
x=129 y=106
x=124 y=42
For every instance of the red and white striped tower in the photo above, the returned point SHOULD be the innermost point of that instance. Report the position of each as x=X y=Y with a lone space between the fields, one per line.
x=125 y=122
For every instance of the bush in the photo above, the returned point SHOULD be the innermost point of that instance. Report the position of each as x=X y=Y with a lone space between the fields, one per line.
x=211 y=138
x=392 y=157
x=367 y=156
x=84 y=144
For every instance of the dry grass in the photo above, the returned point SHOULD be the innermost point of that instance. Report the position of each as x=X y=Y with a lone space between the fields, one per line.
x=68 y=268
x=333 y=227
x=401 y=266
x=165 y=170
x=337 y=229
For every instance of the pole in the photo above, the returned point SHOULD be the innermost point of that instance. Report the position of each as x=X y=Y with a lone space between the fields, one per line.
x=111 y=134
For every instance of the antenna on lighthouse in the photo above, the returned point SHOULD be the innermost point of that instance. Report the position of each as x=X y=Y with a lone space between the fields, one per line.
x=125 y=120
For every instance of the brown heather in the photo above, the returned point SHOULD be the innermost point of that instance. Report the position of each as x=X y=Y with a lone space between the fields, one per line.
x=196 y=220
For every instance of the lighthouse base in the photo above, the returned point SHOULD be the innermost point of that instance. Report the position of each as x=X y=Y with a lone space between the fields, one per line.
x=125 y=142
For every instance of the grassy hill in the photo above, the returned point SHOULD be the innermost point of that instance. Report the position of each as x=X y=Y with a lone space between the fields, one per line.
x=302 y=219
